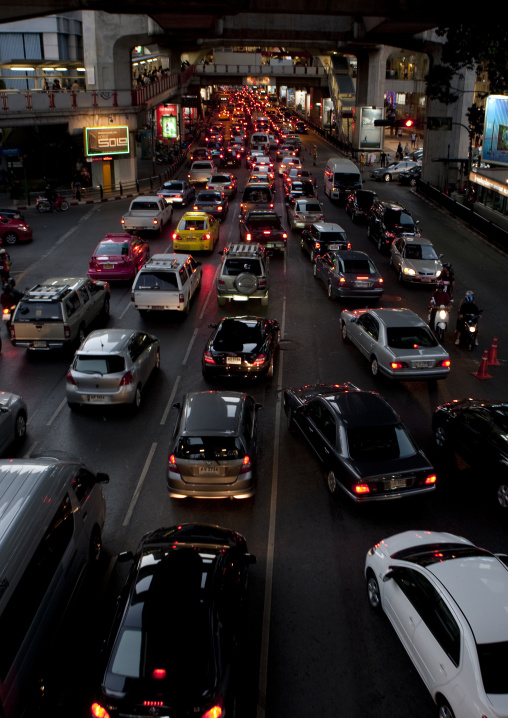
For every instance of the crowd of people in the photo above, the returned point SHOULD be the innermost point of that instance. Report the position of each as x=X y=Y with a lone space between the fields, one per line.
x=66 y=86
x=145 y=77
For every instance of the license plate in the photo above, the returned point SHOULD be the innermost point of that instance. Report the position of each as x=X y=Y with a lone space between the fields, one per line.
x=108 y=266
x=427 y=279
x=360 y=284
x=233 y=360
x=422 y=364
x=396 y=484
x=96 y=397
x=157 y=306
x=40 y=344
x=209 y=470
x=334 y=246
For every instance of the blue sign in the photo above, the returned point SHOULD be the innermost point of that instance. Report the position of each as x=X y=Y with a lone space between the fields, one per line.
x=11 y=151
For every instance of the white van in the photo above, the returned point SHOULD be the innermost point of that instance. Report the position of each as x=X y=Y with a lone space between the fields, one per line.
x=51 y=518
x=341 y=177
x=260 y=138
x=166 y=282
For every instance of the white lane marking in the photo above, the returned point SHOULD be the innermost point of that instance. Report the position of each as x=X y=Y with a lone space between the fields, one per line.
x=139 y=485
x=129 y=305
x=270 y=551
x=56 y=412
x=184 y=361
x=170 y=400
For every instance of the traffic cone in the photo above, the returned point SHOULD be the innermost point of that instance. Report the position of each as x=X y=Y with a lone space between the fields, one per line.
x=493 y=360
x=482 y=369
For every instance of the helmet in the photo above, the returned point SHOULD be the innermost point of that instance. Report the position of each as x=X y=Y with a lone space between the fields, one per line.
x=440 y=285
x=2 y=251
x=469 y=296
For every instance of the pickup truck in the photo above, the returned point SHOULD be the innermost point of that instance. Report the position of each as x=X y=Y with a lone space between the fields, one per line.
x=263 y=227
x=147 y=214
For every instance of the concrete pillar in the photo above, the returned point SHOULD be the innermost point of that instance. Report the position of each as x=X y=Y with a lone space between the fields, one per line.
x=454 y=143
x=370 y=83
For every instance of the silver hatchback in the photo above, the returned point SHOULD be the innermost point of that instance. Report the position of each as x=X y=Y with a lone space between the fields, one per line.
x=112 y=366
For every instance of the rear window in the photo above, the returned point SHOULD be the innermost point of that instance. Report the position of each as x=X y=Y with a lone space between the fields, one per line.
x=89 y=364
x=201 y=166
x=234 y=267
x=262 y=222
x=410 y=337
x=332 y=237
x=156 y=281
x=220 y=178
x=192 y=224
x=112 y=248
x=173 y=185
x=236 y=336
x=396 y=219
x=309 y=207
x=209 y=197
x=144 y=205
x=39 y=312
x=209 y=448
x=379 y=443
x=346 y=178
x=257 y=194
x=358 y=266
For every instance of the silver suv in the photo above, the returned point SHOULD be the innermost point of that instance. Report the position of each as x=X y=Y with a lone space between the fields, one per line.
x=59 y=312
x=243 y=274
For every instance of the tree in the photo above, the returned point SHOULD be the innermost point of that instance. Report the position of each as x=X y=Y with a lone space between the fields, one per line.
x=480 y=44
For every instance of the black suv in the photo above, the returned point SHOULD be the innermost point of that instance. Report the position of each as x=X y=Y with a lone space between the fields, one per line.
x=322 y=237
x=389 y=220
x=173 y=644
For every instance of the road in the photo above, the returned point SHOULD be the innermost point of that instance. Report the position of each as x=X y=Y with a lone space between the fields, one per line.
x=313 y=646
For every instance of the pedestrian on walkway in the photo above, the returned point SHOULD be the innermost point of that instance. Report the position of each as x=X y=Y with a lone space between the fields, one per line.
x=388 y=159
x=382 y=159
x=314 y=154
x=399 y=153
x=406 y=149
x=362 y=162
x=413 y=139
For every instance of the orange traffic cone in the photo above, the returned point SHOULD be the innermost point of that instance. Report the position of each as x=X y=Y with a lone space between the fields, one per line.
x=482 y=369
x=493 y=360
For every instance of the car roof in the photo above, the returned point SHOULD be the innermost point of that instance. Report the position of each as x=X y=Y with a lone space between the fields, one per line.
x=328 y=227
x=196 y=215
x=362 y=408
x=397 y=317
x=106 y=341
x=390 y=204
x=212 y=413
x=417 y=240
x=351 y=254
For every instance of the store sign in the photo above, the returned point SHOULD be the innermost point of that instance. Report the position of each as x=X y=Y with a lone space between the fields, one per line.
x=495 y=144
x=256 y=81
x=101 y=141
x=167 y=121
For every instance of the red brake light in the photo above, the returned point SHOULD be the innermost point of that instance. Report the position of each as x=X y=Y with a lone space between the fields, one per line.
x=126 y=379
x=245 y=465
x=208 y=358
x=398 y=365
x=172 y=463
x=431 y=479
x=446 y=362
x=98 y=711
x=69 y=378
x=260 y=359
x=214 y=712
x=159 y=673
x=361 y=489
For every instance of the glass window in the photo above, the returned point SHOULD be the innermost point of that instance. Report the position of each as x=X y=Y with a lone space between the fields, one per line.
x=157 y=281
x=209 y=448
x=493 y=657
x=83 y=483
x=380 y=443
x=39 y=312
x=410 y=337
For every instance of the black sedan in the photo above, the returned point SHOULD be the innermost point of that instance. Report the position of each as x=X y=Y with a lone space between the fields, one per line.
x=477 y=431
x=359 y=203
x=323 y=237
x=242 y=348
x=411 y=176
x=367 y=452
x=173 y=644
x=211 y=202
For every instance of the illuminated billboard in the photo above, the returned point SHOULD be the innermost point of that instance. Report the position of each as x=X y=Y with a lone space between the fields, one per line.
x=110 y=140
x=370 y=135
x=167 y=121
x=495 y=143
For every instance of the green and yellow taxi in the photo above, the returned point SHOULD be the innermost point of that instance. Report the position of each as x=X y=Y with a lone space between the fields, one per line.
x=196 y=231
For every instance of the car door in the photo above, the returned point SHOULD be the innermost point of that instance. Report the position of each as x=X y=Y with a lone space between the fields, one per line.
x=471 y=429
x=193 y=268
x=319 y=427
x=397 y=252
x=366 y=335
x=6 y=428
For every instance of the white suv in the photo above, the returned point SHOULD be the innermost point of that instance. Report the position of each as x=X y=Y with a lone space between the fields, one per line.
x=166 y=282
x=243 y=274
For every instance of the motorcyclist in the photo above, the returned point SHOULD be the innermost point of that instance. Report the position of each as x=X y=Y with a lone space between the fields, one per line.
x=51 y=196
x=467 y=308
x=10 y=296
x=448 y=278
x=5 y=265
x=440 y=296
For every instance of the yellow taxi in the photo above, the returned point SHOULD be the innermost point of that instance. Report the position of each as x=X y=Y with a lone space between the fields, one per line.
x=196 y=232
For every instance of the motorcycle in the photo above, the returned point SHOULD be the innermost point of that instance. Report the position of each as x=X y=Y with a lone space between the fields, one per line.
x=441 y=319
x=7 y=313
x=42 y=204
x=469 y=332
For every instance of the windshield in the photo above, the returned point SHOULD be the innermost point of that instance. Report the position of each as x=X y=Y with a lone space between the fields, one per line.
x=493 y=657
x=420 y=251
x=380 y=443
x=400 y=221
x=410 y=337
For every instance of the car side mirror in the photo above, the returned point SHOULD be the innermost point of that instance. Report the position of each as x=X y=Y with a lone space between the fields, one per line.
x=249 y=558
x=176 y=405
x=391 y=573
x=102 y=478
x=125 y=556
x=352 y=320
x=212 y=326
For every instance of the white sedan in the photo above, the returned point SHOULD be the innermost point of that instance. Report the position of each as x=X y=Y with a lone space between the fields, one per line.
x=415 y=260
x=447 y=601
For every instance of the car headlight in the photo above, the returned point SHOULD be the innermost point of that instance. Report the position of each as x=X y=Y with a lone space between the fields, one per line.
x=408 y=270
x=438 y=272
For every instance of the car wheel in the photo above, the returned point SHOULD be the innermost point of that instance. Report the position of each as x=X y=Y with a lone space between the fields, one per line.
x=369 y=232
x=374 y=366
x=444 y=710
x=73 y=406
x=387 y=177
x=10 y=238
x=270 y=371
x=20 y=428
x=314 y=270
x=136 y=402
x=401 y=277
x=264 y=301
x=302 y=244
x=440 y=334
x=343 y=331
x=440 y=437
x=95 y=549
x=329 y=290
x=373 y=593
x=290 y=421
x=390 y=261
x=502 y=495
x=332 y=483
x=313 y=256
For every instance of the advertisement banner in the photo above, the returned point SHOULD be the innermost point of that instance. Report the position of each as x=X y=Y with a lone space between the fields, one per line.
x=99 y=141
x=495 y=143
x=167 y=121
x=370 y=136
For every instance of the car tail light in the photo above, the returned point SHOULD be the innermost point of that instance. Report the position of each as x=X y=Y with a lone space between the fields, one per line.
x=380 y=280
x=159 y=674
x=98 y=711
x=317 y=245
x=431 y=479
x=248 y=237
x=221 y=283
x=67 y=331
x=126 y=379
x=219 y=209
x=195 y=206
x=246 y=465
x=208 y=357
x=266 y=231
x=155 y=221
x=176 y=236
x=349 y=245
x=445 y=362
x=181 y=298
x=122 y=221
x=172 y=463
x=361 y=489
x=69 y=378
x=155 y=704
x=362 y=278
x=260 y=359
x=284 y=235
x=262 y=283
x=13 y=335
x=208 y=235
x=271 y=205
x=214 y=712
x=398 y=365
